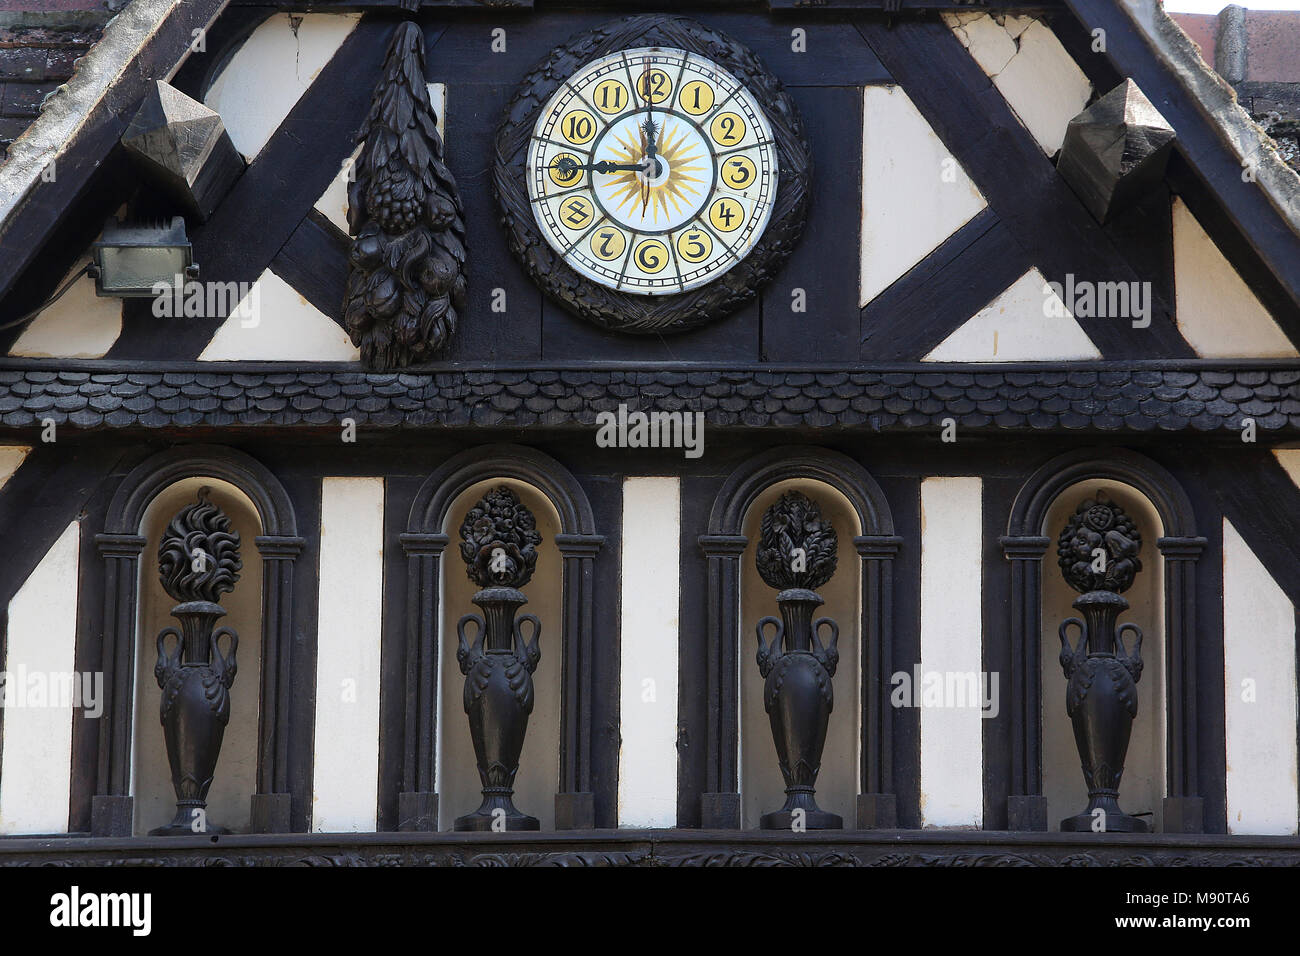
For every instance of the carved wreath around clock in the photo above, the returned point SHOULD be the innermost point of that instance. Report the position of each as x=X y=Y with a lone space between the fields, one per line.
x=652 y=175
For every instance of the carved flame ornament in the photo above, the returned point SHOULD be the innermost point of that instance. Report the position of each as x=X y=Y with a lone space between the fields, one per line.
x=499 y=540
x=1098 y=555
x=796 y=553
x=406 y=284
x=198 y=561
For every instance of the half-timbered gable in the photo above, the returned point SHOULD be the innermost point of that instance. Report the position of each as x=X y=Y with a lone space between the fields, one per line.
x=456 y=389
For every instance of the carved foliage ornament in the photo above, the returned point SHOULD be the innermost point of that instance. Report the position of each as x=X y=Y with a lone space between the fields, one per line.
x=797 y=546
x=198 y=557
x=632 y=115
x=1099 y=523
x=406 y=284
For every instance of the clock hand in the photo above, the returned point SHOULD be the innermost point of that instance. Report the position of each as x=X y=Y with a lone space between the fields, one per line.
x=567 y=168
x=649 y=129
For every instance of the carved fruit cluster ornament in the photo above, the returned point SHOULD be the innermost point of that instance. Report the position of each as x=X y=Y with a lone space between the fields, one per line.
x=796 y=552
x=1099 y=525
x=198 y=561
x=1098 y=555
x=406 y=284
x=499 y=540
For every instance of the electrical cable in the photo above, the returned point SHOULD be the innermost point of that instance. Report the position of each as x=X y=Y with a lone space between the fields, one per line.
x=23 y=319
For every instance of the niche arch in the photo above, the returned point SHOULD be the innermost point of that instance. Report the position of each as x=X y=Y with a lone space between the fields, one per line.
x=120 y=546
x=1024 y=546
x=424 y=542
x=724 y=547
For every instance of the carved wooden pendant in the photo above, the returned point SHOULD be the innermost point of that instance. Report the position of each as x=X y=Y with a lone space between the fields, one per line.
x=406 y=284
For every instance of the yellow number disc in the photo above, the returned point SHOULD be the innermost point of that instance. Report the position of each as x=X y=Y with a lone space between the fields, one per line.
x=727 y=129
x=726 y=215
x=607 y=244
x=694 y=245
x=564 y=171
x=696 y=98
x=610 y=97
x=576 y=212
x=578 y=127
x=651 y=256
x=739 y=172
x=654 y=87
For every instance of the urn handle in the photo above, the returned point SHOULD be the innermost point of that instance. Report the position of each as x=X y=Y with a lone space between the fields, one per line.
x=225 y=664
x=167 y=663
x=1132 y=661
x=767 y=653
x=529 y=653
x=467 y=653
x=828 y=654
x=1068 y=656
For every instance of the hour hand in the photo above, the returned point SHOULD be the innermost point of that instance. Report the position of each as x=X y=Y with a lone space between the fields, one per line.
x=568 y=168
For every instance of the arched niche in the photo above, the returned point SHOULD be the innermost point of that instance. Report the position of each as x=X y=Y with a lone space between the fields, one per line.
x=538 y=779
x=425 y=542
x=725 y=545
x=121 y=545
x=236 y=773
x=1024 y=546
x=1142 y=789
x=762 y=788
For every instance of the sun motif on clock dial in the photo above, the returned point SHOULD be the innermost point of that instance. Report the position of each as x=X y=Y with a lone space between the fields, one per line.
x=652 y=171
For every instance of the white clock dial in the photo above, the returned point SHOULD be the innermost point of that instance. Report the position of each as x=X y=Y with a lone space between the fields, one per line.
x=652 y=171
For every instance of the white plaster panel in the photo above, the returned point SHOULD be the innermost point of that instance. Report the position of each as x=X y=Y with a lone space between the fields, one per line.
x=11 y=456
x=345 y=790
x=952 y=763
x=333 y=203
x=1026 y=323
x=914 y=193
x=1259 y=679
x=271 y=70
x=1288 y=458
x=36 y=770
x=275 y=323
x=79 y=325
x=1218 y=314
x=647 y=776
x=1035 y=75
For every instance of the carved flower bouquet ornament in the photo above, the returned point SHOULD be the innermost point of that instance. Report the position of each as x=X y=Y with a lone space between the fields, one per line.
x=796 y=554
x=1098 y=556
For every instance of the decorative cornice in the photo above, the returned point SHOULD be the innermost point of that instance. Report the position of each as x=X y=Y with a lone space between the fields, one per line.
x=985 y=399
x=892 y=848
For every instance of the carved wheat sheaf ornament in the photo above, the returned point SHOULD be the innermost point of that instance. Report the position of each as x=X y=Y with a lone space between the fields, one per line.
x=406 y=280
x=652 y=175
x=198 y=561
x=797 y=552
x=1098 y=556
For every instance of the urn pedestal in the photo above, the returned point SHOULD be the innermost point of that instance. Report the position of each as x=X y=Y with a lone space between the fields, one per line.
x=1101 y=700
x=798 y=698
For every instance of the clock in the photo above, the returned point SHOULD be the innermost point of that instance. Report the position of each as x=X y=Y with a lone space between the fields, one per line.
x=652 y=175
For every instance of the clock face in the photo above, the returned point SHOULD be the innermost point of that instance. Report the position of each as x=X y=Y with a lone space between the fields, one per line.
x=652 y=171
